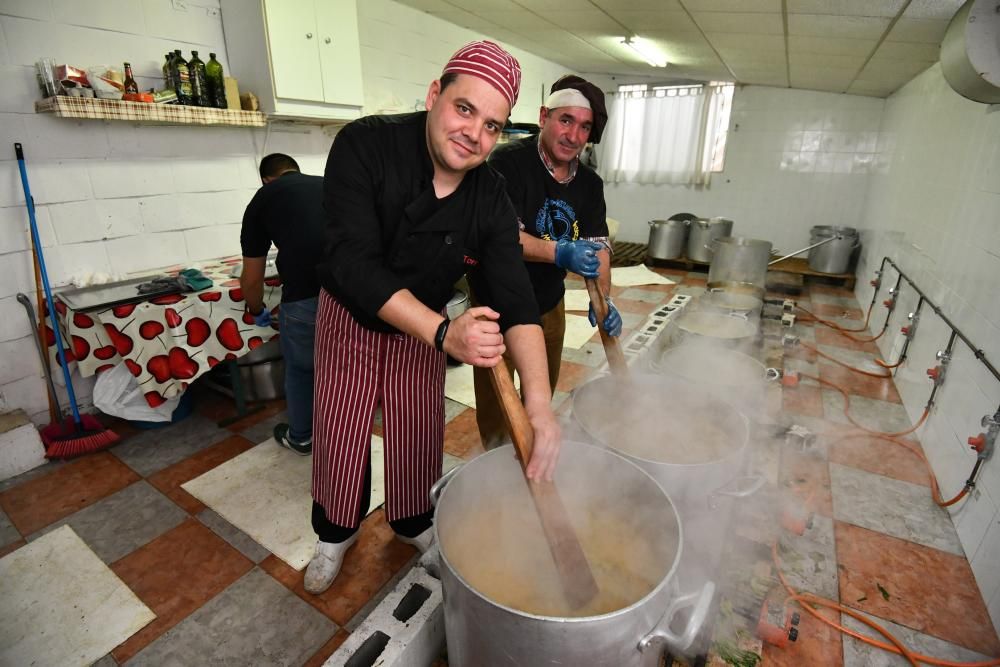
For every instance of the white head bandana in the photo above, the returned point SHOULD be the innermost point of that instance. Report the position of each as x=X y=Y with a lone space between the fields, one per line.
x=567 y=97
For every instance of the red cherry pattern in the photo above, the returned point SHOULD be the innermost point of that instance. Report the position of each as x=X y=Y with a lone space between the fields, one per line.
x=255 y=342
x=82 y=320
x=273 y=282
x=182 y=366
x=104 y=367
x=159 y=367
x=172 y=317
x=154 y=398
x=81 y=348
x=105 y=353
x=135 y=368
x=236 y=294
x=210 y=296
x=121 y=312
x=229 y=335
x=167 y=299
x=150 y=330
x=198 y=331
x=231 y=283
x=122 y=342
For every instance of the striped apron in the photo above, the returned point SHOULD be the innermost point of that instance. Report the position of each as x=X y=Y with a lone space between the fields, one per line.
x=357 y=369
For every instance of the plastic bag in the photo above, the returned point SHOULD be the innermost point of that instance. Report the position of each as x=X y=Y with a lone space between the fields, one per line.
x=106 y=82
x=117 y=393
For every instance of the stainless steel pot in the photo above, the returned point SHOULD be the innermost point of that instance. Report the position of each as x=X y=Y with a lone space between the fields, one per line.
x=729 y=328
x=731 y=375
x=739 y=264
x=262 y=371
x=835 y=256
x=705 y=492
x=732 y=299
x=458 y=304
x=490 y=491
x=701 y=235
x=667 y=238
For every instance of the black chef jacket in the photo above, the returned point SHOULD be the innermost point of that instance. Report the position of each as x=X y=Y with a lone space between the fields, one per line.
x=388 y=231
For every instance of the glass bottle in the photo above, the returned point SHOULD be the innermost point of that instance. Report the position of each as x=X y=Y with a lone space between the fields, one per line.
x=199 y=87
x=216 y=82
x=168 y=76
x=130 y=85
x=182 y=78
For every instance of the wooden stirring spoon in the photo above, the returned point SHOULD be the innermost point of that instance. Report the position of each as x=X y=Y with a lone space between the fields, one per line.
x=616 y=358
x=578 y=583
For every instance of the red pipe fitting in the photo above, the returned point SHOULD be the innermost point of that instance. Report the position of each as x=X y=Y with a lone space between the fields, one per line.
x=889 y=303
x=934 y=373
x=790 y=379
x=874 y=283
x=905 y=330
x=978 y=442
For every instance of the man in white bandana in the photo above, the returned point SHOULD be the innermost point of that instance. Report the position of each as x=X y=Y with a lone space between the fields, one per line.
x=560 y=207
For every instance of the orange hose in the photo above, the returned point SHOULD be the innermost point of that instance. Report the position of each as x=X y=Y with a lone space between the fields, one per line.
x=896 y=647
x=846 y=332
x=886 y=364
x=834 y=325
x=847 y=405
x=841 y=363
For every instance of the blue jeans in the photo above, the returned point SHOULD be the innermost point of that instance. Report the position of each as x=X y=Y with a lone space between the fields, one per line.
x=297 y=322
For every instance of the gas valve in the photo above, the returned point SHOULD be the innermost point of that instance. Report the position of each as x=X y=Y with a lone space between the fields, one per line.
x=937 y=374
x=776 y=626
x=911 y=329
x=889 y=303
x=985 y=443
x=877 y=281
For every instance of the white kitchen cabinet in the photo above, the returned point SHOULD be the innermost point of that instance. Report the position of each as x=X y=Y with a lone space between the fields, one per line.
x=301 y=58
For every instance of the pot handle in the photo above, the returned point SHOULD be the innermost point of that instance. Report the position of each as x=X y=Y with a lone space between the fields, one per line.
x=756 y=483
x=772 y=374
x=438 y=488
x=701 y=601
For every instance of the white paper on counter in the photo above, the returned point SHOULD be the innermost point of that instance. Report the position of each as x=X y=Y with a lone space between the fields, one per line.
x=578 y=331
x=630 y=276
x=577 y=299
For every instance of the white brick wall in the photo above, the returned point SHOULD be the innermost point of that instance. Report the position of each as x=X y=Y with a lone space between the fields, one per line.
x=933 y=206
x=120 y=198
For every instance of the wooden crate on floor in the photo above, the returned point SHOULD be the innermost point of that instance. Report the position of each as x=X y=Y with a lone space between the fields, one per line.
x=682 y=263
x=627 y=253
x=800 y=266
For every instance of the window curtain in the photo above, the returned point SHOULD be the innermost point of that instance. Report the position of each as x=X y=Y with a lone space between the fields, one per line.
x=661 y=136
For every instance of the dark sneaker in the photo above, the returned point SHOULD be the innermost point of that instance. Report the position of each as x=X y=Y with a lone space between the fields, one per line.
x=300 y=448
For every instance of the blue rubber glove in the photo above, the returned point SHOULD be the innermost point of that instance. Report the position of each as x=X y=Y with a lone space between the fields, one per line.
x=580 y=257
x=263 y=318
x=612 y=323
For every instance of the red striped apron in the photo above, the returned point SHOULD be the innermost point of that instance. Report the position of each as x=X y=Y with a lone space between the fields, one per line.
x=357 y=369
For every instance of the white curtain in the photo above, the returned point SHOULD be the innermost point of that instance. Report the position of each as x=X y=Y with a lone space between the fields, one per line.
x=661 y=136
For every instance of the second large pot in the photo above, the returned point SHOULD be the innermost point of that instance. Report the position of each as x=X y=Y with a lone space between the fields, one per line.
x=496 y=567
x=739 y=264
x=701 y=235
x=833 y=256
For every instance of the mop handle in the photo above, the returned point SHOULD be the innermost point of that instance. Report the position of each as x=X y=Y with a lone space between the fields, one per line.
x=45 y=282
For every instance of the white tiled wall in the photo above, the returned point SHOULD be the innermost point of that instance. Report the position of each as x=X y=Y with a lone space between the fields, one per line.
x=794 y=159
x=934 y=207
x=117 y=198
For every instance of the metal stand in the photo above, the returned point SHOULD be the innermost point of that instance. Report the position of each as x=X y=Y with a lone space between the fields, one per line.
x=236 y=391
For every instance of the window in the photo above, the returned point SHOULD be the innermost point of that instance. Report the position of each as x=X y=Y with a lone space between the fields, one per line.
x=667 y=134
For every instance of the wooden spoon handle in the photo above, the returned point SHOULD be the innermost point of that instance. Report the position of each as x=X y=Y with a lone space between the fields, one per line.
x=616 y=358
x=513 y=412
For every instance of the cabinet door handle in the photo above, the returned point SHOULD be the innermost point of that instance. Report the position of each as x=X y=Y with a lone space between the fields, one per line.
x=309 y=35
x=327 y=40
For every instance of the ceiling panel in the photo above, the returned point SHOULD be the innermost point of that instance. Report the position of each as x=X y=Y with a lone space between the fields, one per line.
x=887 y=8
x=874 y=88
x=583 y=20
x=770 y=6
x=555 y=5
x=638 y=5
x=847 y=47
x=724 y=41
x=878 y=68
x=933 y=9
x=641 y=22
x=826 y=25
x=825 y=59
x=918 y=30
x=758 y=23
x=909 y=51
x=516 y=19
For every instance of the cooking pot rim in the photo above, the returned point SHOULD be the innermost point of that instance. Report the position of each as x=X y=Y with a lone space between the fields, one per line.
x=505 y=450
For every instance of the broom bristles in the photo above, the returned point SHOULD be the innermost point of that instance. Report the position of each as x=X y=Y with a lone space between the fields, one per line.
x=65 y=440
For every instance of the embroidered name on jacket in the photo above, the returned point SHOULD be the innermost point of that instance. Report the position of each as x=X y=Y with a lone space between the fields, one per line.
x=556 y=220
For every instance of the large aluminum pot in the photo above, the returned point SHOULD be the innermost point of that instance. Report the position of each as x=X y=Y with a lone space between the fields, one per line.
x=692 y=442
x=739 y=264
x=489 y=533
x=667 y=238
x=733 y=376
x=746 y=300
x=730 y=328
x=835 y=256
x=701 y=235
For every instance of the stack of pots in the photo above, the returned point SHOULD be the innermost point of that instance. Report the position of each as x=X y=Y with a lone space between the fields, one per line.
x=701 y=235
x=834 y=256
x=667 y=238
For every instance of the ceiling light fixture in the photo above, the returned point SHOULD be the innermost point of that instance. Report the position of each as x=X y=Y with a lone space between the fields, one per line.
x=647 y=50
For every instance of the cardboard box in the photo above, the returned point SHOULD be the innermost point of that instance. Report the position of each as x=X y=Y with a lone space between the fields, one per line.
x=232 y=94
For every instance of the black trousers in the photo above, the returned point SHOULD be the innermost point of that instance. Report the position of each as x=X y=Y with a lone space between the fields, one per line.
x=327 y=531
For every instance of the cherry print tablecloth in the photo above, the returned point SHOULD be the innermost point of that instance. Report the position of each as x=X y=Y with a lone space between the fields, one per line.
x=168 y=341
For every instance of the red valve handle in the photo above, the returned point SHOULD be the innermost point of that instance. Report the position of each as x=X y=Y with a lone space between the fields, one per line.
x=905 y=330
x=978 y=442
x=934 y=373
x=888 y=303
x=790 y=379
x=874 y=283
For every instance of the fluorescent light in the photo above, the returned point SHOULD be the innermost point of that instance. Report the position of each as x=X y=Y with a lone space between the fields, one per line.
x=647 y=50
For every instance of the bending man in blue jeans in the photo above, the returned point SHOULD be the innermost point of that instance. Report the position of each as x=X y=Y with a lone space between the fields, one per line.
x=288 y=212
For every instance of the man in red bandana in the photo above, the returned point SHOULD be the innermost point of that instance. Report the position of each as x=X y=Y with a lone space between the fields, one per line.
x=412 y=207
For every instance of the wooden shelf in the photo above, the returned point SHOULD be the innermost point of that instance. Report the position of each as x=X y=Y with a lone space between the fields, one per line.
x=142 y=112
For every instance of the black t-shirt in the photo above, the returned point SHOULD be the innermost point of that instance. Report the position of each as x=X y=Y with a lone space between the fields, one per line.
x=388 y=231
x=550 y=210
x=289 y=213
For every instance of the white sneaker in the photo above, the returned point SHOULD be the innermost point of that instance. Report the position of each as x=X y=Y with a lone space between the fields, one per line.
x=325 y=564
x=422 y=542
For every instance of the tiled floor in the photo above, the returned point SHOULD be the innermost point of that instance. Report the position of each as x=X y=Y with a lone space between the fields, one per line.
x=876 y=542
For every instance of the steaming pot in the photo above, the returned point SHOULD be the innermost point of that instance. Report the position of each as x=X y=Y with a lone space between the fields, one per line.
x=739 y=263
x=701 y=235
x=482 y=631
x=705 y=492
x=730 y=374
x=835 y=256
x=723 y=328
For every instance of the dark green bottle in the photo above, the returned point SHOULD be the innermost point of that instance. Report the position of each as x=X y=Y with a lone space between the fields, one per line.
x=199 y=87
x=168 y=72
x=216 y=82
x=182 y=78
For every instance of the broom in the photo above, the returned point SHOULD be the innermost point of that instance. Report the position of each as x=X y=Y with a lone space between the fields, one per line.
x=79 y=435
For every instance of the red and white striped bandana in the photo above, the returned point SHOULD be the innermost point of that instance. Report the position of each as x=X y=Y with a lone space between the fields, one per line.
x=490 y=63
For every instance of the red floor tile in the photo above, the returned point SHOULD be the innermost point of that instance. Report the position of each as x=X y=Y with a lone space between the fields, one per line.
x=818 y=645
x=808 y=478
x=883 y=389
x=174 y=575
x=827 y=336
x=368 y=566
x=69 y=488
x=928 y=590
x=461 y=433
x=805 y=399
x=169 y=480
x=879 y=456
x=572 y=375
x=328 y=649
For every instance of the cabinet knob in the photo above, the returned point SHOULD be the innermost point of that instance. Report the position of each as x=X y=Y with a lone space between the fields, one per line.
x=309 y=35
x=327 y=40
